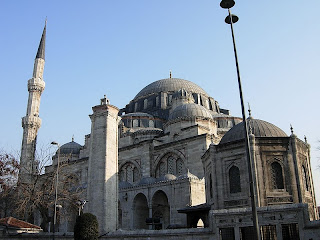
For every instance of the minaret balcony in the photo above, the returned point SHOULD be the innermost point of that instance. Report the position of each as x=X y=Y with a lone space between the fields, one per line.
x=36 y=84
x=31 y=121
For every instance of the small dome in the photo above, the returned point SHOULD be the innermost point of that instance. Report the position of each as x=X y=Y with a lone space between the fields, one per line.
x=190 y=110
x=124 y=184
x=147 y=180
x=170 y=85
x=70 y=148
x=259 y=128
x=167 y=177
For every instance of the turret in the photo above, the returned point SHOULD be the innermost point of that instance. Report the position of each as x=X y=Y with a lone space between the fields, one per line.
x=31 y=122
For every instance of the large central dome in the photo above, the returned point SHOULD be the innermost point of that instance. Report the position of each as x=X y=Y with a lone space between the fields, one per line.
x=170 y=85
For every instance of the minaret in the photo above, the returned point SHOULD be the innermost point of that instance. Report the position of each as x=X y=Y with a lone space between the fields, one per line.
x=31 y=122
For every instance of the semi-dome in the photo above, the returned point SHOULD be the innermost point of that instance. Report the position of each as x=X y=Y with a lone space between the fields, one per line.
x=124 y=184
x=147 y=181
x=170 y=85
x=70 y=148
x=190 y=110
x=258 y=127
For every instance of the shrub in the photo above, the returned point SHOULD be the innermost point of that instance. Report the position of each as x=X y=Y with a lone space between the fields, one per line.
x=86 y=227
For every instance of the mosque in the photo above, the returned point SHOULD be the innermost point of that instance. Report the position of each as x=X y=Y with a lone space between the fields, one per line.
x=172 y=160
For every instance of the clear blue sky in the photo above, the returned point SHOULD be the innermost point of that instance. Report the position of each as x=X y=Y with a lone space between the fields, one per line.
x=118 y=47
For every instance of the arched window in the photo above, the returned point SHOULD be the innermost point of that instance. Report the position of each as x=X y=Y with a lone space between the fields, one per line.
x=172 y=164
x=145 y=104
x=135 y=123
x=234 y=179
x=179 y=167
x=210 y=105
x=129 y=173
x=162 y=169
x=276 y=176
x=305 y=178
x=135 y=174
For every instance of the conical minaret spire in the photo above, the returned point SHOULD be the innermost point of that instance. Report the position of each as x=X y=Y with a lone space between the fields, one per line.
x=31 y=122
x=42 y=45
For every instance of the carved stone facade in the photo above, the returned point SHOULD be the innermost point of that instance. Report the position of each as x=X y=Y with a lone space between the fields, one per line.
x=282 y=171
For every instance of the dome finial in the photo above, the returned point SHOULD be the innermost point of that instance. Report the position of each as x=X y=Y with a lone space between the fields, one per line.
x=249 y=110
x=104 y=100
x=305 y=139
x=72 y=140
x=291 y=129
x=170 y=74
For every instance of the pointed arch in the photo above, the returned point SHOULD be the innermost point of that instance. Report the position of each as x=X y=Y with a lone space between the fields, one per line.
x=170 y=162
x=161 y=208
x=129 y=172
x=140 y=211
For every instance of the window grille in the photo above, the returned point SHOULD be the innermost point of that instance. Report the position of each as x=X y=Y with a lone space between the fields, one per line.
x=290 y=231
x=162 y=169
x=226 y=233
x=135 y=174
x=179 y=167
x=269 y=232
x=170 y=165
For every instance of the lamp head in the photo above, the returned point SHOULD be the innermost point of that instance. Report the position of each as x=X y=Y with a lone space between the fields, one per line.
x=226 y=4
x=54 y=143
x=234 y=19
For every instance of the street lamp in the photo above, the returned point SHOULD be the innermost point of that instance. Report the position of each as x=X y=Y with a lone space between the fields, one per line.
x=80 y=204
x=56 y=192
x=230 y=19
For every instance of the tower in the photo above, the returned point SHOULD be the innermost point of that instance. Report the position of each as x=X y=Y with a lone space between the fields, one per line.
x=103 y=166
x=32 y=122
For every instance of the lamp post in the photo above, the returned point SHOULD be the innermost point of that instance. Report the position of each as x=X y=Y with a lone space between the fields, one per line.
x=230 y=19
x=80 y=204
x=56 y=192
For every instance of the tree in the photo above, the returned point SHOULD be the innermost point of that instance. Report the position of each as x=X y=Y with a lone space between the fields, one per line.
x=36 y=197
x=86 y=227
x=9 y=168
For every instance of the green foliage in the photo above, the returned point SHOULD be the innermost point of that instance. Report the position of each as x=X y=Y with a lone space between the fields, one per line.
x=86 y=227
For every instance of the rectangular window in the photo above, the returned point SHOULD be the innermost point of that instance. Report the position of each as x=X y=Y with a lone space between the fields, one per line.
x=226 y=234
x=247 y=233
x=290 y=231
x=269 y=232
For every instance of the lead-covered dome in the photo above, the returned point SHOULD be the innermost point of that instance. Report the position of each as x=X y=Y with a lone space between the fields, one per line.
x=170 y=85
x=258 y=127
x=190 y=110
x=70 y=148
